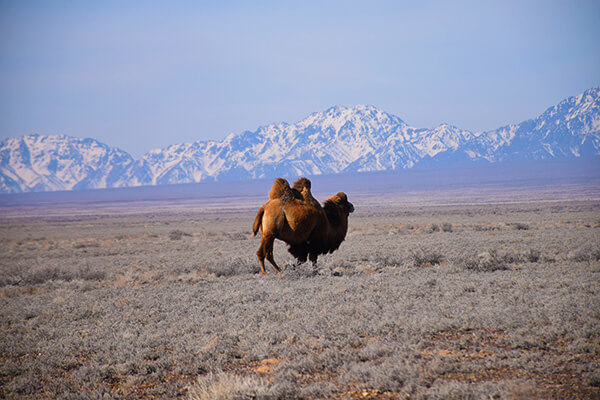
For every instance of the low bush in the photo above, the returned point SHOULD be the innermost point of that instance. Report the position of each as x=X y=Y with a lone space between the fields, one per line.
x=519 y=226
x=446 y=227
x=433 y=228
x=227 y=386
x=177 y=234
x=422 y=257
x=488 y=261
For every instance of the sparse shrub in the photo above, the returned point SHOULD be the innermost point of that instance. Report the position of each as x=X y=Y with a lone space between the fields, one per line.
x=446 y=227
x=593 y=380
x=238 y=235
x=318 y=390
x=586 y=253
x=40 y=275
x=235 y=266
x=26 y=385
x=533 y=255
x=433 y=228
x=483 y=228
x=109 y=374
x=83 y=245
x=387 y=379
x=519 y=226
x=487 y=261
x=177 y=234
x=88 y=274
x=228 y=386
x=382 y=260
x=422 y=257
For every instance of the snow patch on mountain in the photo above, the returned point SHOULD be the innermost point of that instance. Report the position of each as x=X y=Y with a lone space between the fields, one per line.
x=339 y=139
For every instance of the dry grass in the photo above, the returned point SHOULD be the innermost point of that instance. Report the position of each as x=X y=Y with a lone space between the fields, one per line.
x=226 y=386
x=172 y=306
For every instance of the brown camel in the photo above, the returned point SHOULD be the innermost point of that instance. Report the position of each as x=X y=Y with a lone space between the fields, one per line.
x=294 y=216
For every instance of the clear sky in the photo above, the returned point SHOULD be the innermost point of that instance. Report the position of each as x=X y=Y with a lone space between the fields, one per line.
x=144 y=74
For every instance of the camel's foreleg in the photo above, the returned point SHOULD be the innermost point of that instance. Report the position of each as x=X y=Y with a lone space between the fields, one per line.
x=313 y=252
x=299 y=251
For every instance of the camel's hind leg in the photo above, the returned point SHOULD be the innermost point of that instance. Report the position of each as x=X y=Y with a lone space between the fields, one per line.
x=266 y=250
x=261 y=253
x=269 y=249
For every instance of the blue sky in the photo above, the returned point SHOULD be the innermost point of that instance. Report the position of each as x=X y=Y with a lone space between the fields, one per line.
x=140 y=75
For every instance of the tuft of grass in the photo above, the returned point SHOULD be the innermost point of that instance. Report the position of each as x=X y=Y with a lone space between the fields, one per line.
x=594 y=380
x=44 y=274
x=177 y=234
x=381 y=260
x=488 y=261
x=533 y=255
x=422 y=257
x=83 y=245
x=485 y=228
x=433 y=228
x=234 y=266
x=586 y=254
x=519 y=226
x=446 y=227
x=227 y=386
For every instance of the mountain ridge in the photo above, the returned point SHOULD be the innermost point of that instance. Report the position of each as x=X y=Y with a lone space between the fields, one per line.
x=339 y=139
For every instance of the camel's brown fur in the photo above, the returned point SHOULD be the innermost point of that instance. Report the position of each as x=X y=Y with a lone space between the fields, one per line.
x=281 y=190
x=296 y=217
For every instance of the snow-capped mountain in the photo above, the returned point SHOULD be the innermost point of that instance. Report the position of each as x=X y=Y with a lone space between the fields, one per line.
x=339 y=139
x=571 y=128
x=40 y=163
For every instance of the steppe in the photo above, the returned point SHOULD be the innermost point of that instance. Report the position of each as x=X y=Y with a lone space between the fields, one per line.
x=441 y=295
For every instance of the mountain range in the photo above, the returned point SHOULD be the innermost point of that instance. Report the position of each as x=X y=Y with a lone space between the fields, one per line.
x=337 y=140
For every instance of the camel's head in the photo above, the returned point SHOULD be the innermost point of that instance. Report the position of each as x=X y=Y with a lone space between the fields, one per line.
x=341 y=200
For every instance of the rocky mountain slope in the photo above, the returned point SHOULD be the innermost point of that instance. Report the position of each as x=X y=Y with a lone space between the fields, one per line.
x=339 y=139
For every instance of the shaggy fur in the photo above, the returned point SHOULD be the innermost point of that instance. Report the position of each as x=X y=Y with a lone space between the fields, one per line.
x=281 y=190
x=296 y=217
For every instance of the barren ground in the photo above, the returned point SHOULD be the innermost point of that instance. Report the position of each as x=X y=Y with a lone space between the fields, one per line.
x=460 y=301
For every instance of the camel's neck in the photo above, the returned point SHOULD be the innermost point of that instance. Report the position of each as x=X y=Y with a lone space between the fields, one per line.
x=337 y=224
x=338 y=233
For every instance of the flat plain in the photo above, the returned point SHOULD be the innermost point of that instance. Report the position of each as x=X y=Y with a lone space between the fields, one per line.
x=437 y=298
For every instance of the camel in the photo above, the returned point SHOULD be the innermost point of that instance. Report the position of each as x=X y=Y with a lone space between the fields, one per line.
x=294 y=216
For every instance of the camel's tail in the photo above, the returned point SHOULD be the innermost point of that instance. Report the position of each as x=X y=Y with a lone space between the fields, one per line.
x=258 y=221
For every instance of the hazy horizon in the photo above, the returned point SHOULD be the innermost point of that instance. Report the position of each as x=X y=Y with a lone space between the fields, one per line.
x=146 y=75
